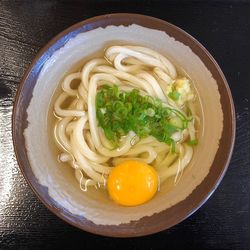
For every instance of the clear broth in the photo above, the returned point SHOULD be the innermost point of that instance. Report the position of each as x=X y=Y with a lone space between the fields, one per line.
x=52 y=119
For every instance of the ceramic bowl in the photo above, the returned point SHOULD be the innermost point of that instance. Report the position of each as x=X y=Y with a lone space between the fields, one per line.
x=56 y=187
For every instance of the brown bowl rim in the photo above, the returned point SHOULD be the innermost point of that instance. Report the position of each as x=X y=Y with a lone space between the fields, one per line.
x=132 y=231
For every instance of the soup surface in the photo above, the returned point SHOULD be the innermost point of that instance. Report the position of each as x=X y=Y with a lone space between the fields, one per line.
x=126 y=120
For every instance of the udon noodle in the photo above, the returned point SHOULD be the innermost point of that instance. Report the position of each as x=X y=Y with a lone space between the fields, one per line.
x=82 y=141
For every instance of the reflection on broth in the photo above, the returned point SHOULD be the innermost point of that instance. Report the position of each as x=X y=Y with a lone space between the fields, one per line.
x=125 y=106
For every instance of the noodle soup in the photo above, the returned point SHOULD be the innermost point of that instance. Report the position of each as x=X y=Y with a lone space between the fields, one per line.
x=127 y=122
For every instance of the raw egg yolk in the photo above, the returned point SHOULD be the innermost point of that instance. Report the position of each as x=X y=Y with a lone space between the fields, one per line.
x=132 y=183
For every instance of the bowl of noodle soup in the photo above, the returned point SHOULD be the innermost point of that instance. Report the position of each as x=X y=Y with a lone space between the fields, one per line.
x=119 y=125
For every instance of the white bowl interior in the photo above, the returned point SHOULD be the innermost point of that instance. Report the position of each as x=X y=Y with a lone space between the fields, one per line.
x=62 y=186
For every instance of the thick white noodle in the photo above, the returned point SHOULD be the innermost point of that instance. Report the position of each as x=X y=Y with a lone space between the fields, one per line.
x=83 y=144
x=63 y=112
x=145 y=55
x=67 y=82
x=178 y=166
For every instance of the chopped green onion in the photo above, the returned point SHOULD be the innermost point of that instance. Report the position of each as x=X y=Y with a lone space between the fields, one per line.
x=150 y=112
x=119 y=112
x=174 y=95
x=193 y=142
x=103 y=110
x=177 y=122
